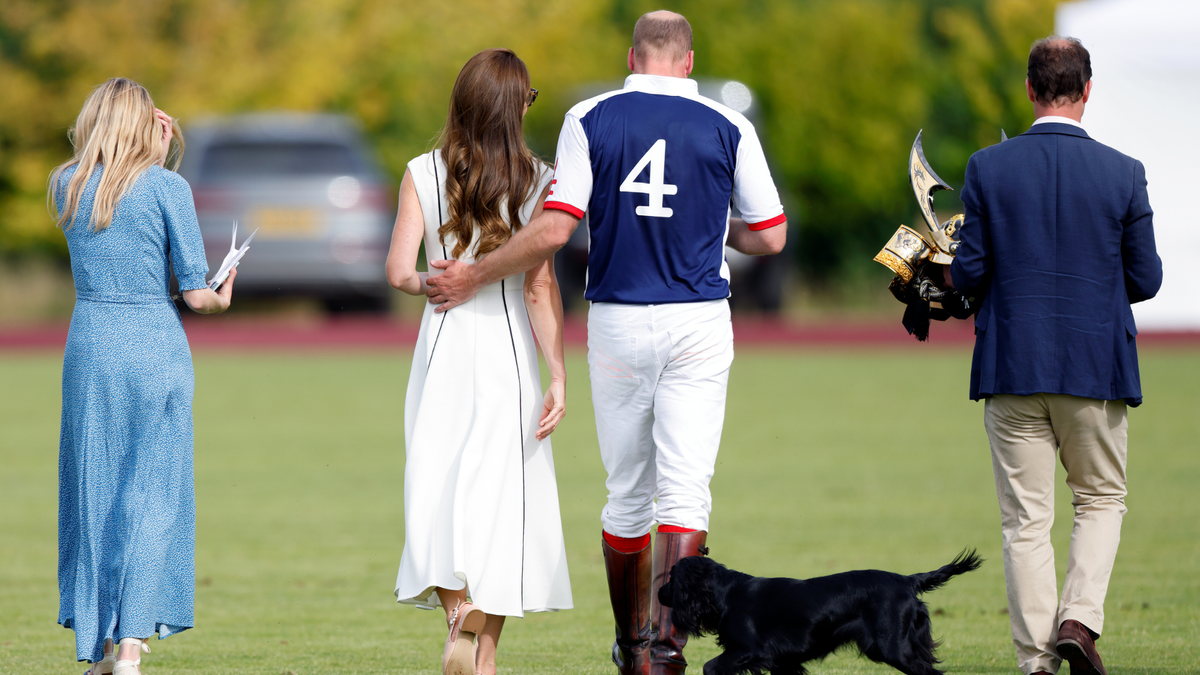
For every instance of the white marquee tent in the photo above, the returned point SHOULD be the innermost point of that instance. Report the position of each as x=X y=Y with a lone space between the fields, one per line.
x=1146 y=103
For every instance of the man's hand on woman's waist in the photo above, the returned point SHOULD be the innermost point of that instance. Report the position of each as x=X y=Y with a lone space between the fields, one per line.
x=456 y=284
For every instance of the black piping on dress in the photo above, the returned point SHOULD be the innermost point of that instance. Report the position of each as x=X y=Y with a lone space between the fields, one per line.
x=521 y=428
x=438 y=187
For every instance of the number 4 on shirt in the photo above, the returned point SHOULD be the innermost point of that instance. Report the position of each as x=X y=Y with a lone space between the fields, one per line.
x=656 y=188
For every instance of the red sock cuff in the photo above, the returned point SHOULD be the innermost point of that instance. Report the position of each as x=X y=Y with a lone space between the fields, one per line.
x=675 y=529
x=627 y=545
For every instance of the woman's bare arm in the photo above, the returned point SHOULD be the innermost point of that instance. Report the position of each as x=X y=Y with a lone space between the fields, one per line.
x=401 y=266
x=544 y=304
x=207 y=301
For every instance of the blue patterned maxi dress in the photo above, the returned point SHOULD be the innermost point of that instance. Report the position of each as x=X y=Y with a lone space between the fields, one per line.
x=126 y=506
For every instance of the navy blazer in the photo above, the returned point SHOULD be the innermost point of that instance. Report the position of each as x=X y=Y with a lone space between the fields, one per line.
x=1058 y=241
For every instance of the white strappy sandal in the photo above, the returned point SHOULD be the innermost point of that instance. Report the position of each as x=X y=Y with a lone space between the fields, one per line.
x=131 y=667
x=105 y=665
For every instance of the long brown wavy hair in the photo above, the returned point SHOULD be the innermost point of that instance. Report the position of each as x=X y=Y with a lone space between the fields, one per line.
x=115 y=130
x=489 y=168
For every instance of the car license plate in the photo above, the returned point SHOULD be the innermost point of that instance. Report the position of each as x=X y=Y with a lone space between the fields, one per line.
x=286 y=223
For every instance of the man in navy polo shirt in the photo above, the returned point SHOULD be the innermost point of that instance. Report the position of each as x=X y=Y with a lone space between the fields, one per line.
x=656 y=167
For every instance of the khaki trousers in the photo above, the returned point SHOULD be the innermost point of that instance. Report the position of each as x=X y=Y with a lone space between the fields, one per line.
x=1090 y=436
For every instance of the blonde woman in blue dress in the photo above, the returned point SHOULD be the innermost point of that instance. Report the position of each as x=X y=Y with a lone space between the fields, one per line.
x=126 y=507
x=483 y=537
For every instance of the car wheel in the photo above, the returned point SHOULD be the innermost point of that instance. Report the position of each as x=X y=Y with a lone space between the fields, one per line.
x=357 y=304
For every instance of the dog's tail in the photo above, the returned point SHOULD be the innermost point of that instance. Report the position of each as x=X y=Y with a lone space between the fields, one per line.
x=964 y=562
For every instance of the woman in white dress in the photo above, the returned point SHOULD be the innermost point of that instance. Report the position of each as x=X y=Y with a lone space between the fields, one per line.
x=483 y=537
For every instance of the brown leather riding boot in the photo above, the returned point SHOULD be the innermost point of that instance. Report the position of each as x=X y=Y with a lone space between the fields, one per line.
x=629 y=591
x=666 y=646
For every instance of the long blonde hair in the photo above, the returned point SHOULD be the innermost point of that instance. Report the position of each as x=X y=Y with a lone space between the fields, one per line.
x=488 y=164
x=117 y=130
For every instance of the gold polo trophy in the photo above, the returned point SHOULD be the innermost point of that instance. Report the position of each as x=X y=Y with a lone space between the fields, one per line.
x=916 y=258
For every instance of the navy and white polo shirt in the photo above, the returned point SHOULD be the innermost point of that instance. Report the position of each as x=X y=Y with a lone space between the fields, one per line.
x=656 y=167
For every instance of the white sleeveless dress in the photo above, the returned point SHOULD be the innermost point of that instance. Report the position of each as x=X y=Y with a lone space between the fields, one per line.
x=480 y=499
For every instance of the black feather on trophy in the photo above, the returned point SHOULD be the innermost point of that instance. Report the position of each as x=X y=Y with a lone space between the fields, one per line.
x=917 y=260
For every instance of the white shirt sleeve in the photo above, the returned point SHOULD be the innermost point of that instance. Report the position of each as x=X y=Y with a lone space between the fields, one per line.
x=571 y=189
x=754 y=192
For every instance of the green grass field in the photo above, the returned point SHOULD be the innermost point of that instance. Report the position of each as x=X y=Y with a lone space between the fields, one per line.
x=830 y=462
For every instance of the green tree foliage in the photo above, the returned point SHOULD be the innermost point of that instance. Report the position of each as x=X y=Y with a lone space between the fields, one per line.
x=389 y=64
x=843 y=84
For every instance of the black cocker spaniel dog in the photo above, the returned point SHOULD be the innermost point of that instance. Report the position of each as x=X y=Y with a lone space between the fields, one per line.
x=778 y=625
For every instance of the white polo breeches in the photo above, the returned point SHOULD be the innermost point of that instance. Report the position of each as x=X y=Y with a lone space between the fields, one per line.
x=659 y=375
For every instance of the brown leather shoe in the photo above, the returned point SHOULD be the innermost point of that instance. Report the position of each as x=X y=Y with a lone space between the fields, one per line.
x=629 y=592
x=1076 y=646
x=666 y=646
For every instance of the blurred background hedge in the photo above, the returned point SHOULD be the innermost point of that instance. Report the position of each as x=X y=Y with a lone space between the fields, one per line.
x=843 y=85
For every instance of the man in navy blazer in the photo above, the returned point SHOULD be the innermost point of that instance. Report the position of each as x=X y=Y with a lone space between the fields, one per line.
x=1058 y=241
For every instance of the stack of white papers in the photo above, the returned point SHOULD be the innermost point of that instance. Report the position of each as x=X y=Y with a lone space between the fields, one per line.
x=231 y=259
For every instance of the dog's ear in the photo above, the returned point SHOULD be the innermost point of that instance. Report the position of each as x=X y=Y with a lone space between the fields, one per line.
x=694 y=611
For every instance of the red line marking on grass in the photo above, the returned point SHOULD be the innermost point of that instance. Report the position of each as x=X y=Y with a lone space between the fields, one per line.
x=247 y=333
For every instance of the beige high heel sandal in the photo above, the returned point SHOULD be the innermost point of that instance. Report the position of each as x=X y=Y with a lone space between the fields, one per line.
x=105 y=665
x=458 y=658
x=126 y=667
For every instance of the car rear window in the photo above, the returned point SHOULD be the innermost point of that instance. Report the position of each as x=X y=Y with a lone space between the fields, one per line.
x=233 y=161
